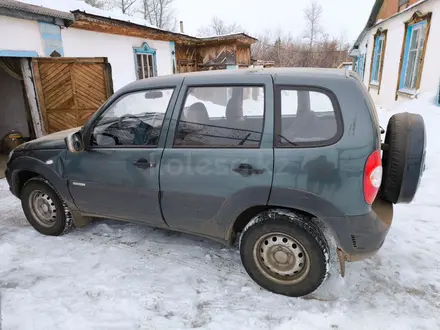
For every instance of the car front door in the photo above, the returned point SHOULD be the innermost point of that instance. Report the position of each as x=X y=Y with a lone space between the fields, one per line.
x=118 y=175
x=218 y=159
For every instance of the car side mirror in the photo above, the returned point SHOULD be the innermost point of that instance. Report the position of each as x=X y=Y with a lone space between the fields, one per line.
x=74 y=142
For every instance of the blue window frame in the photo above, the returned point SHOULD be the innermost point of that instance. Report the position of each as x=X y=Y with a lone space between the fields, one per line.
x=377 y=59
x=18 y=53
x=145 y=61
x=361 y=66
x=413 y=55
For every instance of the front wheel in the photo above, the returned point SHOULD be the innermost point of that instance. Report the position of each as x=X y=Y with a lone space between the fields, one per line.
x=43 y=208
x=284 y=253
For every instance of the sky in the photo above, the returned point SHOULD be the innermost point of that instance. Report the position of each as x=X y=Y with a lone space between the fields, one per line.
x=340 y=17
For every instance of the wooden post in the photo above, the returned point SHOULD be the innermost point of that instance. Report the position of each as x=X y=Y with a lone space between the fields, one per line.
x=32 y=99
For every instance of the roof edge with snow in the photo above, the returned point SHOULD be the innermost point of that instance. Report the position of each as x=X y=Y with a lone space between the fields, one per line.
x=14 y=8
x=81 y=15
x=372 y=21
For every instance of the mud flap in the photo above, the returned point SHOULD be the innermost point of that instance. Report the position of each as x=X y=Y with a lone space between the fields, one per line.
x=79 y=220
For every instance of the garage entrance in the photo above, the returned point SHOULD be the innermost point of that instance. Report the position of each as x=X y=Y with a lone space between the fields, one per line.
x=46 y=95
x=14 y=108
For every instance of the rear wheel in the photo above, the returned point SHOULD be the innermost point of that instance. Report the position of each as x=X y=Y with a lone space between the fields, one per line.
x=43 y=208
x=285 y=253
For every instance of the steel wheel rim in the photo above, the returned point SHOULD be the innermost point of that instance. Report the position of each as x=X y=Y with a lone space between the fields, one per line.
x=43 y=208
x=281 y=258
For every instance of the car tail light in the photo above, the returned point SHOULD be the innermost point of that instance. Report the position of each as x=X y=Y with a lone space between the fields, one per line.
x=372 y=176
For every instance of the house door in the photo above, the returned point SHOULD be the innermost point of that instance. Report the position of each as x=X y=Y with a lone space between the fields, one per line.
x=70 y=90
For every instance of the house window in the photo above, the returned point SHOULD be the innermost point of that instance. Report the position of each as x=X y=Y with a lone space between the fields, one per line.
x=145 y=61
x=361 y=66
x=378 y=55
x=145 y=66
x=413 y=55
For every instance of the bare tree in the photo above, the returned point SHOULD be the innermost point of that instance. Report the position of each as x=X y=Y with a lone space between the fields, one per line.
x=101 y=4
x=262 y=48
x=126 y=6
x=287 y=51
x=219 y=27
x=313 y=14
x=159 y=13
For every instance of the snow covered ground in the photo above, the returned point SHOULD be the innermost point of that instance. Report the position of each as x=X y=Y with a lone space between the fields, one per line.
x=113 y=275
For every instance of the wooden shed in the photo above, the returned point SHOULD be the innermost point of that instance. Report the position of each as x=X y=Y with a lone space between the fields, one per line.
x=214 y=53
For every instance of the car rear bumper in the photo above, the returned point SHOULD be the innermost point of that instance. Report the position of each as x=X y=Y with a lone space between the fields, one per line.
x=360 y=237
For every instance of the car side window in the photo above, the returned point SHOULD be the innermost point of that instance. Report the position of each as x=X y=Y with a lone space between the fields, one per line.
x=307 y=116
x=133 y=120
x=216 y=117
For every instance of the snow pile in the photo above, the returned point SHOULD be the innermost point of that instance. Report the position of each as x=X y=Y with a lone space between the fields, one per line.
x=125 y=276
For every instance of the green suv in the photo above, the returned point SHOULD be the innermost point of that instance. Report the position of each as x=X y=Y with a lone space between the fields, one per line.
x=272 y=159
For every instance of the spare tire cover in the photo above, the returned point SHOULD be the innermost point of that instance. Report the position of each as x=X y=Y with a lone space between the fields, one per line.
x=403 y=157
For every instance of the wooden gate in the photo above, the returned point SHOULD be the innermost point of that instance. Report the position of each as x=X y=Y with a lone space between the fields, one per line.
x=70 y=90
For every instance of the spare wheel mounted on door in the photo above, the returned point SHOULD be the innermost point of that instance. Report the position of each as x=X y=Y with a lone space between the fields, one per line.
x=403 y=157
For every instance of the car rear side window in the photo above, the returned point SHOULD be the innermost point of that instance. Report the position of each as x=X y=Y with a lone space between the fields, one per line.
x=306 y=117
x=221 y=117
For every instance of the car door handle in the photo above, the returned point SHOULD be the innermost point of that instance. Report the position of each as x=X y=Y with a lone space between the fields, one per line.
x=247 y=170
x=143 y=163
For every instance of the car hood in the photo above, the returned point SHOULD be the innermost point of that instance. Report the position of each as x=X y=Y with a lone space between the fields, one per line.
x=51 y=141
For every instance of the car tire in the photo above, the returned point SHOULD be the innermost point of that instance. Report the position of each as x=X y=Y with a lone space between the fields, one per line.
x=285 y=253
x=403 y=158
x=44 y=208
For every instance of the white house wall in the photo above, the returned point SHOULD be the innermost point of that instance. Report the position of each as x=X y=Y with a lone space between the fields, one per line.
x=395 y=35
x=119 y=51
x=20 y=35
x=17 y=35
x=431 y=71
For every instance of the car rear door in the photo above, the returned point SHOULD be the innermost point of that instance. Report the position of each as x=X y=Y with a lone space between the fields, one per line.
x=218 y=157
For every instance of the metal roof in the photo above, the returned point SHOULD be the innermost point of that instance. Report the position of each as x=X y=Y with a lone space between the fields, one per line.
x=39 y=10
x=228 y=36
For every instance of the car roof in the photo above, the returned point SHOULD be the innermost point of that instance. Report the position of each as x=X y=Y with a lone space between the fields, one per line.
x=174 y=79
